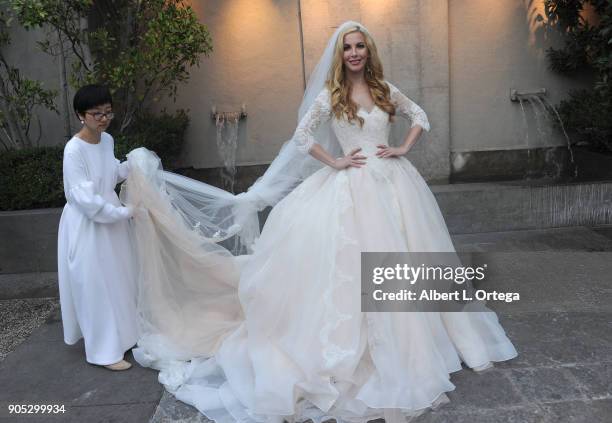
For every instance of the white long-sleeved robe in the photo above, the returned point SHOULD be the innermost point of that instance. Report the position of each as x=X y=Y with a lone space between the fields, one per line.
x=96 y=261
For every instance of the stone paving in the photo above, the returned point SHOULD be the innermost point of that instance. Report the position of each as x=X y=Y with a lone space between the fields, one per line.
x=562 y=330
x=20 y=317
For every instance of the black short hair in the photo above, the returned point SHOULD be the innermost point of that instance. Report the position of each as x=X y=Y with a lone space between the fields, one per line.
x=89 y=96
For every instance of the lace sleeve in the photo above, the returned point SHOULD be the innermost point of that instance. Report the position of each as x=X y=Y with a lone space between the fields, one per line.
x=409 y=108
x=319 y=112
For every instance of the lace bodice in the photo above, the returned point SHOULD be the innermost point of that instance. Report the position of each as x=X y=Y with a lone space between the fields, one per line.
x=351 y=135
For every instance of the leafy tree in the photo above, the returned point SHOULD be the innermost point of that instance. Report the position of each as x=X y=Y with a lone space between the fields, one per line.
x=141 y=49
x=144 y=50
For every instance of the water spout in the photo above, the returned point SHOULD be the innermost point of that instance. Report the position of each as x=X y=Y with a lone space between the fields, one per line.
x=227 y=143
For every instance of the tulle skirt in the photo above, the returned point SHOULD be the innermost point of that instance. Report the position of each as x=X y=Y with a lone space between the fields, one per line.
x=300 y=348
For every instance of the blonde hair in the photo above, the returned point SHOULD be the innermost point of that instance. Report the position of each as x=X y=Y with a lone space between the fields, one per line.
x=340 y=87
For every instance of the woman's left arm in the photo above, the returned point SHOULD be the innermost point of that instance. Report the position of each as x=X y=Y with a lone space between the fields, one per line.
x=419 y=122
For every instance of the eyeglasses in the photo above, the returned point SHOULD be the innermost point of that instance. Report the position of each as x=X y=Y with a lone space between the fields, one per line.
x=99 y=115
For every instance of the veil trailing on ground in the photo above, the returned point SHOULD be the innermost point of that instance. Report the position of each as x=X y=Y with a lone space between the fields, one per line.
x=233 y=219
x=194 y=237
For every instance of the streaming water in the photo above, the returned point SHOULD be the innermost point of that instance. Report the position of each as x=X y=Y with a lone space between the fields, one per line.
x=227 y=143
x=544 y=112
x=571 y=204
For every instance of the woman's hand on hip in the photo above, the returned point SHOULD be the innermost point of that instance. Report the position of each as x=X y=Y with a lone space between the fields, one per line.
x=388 y=151
x=352 y=159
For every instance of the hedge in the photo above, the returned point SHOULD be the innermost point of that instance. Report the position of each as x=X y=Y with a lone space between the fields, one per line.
x=32 y=178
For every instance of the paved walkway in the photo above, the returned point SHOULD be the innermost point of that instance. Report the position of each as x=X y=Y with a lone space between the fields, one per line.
x=562 y=328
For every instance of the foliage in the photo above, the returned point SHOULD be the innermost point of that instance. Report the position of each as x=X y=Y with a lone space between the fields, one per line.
x=141 y=49
x=163 y=133
x=62 y=16
x=587 y=46
x=591 y=123
x=31 y=178
x=19 y=96
x=157 y=43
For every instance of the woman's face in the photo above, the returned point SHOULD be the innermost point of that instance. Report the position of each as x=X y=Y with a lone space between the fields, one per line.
x=355 y=52
x=98 y=118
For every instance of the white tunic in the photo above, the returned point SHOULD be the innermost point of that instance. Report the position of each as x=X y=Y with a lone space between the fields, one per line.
x=96 y=267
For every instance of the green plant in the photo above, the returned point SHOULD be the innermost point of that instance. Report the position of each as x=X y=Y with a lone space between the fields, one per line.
x=589 y=121
x=64 y=22
x=141 y=49
x=147 y=51
x=19 y=96
x=163 y=133
x=587 y=46
x=31 y=178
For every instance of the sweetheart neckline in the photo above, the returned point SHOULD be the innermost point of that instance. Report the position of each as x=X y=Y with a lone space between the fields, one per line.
x=370 y=112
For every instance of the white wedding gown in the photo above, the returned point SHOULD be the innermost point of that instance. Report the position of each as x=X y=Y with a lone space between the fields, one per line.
x=294 y=343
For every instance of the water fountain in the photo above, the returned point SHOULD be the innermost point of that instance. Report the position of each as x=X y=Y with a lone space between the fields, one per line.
x=534 y=201
x=537 y=199
x=543 y=111
x=227 y=142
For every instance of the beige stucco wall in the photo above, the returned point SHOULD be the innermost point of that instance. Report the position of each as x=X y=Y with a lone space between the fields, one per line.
x=256 y=61
x=412 y=41
x=457 y=59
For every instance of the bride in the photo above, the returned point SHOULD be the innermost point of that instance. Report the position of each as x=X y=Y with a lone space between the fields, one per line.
x=278 y=333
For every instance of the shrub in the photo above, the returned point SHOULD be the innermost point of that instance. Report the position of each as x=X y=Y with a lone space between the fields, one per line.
x=586 y=115
x=31 y=178
x=164 y=134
